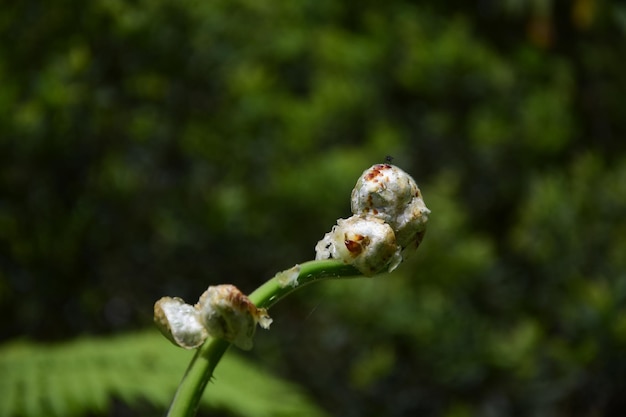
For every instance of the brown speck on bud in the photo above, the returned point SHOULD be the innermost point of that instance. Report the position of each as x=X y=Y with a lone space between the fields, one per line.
x=356 y=245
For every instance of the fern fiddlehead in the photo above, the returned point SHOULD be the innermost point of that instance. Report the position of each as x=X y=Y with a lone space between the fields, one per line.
x=389 y=220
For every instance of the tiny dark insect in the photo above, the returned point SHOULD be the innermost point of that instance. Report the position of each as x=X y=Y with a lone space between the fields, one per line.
x=389 y=159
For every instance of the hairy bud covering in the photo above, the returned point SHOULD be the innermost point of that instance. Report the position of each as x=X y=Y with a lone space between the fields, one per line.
x=179 y=322
x=389 y=217
x=388 y=193
x=228 y=314
x=365 y=242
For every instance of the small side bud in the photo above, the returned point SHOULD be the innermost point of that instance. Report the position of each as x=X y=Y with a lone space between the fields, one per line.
x=388 y=193
x=289 y=277
x=179 y=322
x=366 y=242
x=228 y=314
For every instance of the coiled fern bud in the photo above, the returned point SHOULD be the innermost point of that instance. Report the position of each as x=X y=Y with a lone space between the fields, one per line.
x=389 y=217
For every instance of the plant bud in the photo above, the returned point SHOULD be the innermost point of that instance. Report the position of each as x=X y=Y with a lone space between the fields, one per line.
x=179 y=322
x=228 y=314
x=288 y=277
x=390 y=194
x=366 y=242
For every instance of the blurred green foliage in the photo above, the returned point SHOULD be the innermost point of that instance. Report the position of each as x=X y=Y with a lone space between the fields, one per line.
x=153 y=148
x=82 y=377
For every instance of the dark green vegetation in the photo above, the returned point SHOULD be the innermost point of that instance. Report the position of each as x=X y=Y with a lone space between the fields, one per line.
x=130 y=375
x=153 y=148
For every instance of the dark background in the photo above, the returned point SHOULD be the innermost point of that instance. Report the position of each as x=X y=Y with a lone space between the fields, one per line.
x=152 y=148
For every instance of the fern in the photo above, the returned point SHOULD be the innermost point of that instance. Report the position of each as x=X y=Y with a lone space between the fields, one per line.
x=83 y=377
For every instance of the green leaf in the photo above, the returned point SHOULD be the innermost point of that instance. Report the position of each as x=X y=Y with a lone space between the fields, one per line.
x=82 y=376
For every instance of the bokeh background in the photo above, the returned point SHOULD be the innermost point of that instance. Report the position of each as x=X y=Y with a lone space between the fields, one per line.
x=152 y=148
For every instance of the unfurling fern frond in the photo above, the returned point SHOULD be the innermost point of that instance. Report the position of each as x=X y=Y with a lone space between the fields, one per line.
x=83 y=376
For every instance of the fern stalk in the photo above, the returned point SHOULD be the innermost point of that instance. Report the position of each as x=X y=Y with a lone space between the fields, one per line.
x=389 y=216
x=200 y=370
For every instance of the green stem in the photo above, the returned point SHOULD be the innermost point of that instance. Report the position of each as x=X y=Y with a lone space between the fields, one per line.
x=200 y=370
